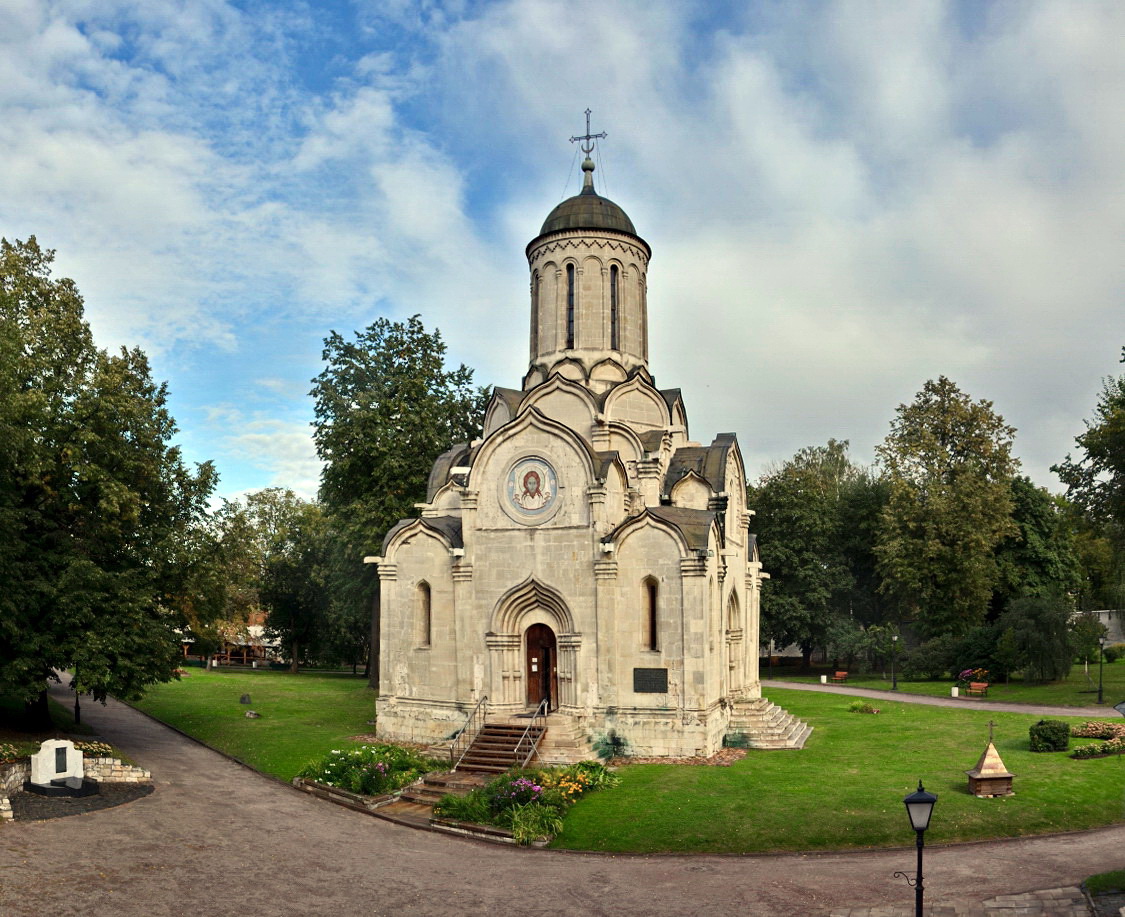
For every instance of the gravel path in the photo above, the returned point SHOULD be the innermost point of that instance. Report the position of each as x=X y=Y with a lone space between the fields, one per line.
x=218 y=839
x=963 y=703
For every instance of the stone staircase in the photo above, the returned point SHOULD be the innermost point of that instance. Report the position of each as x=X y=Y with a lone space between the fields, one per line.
x=494 y=749
x=766 y=725
x=565 y=742
x=433 y=786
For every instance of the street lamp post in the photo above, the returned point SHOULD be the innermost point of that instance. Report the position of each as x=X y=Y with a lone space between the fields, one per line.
x=894 y=655
x=1101 y=660
x=919 y=806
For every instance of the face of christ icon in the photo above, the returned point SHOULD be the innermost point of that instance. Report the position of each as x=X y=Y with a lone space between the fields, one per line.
x=531 y=486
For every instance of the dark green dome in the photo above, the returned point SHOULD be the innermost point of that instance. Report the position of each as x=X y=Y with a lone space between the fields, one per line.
x=587 y=210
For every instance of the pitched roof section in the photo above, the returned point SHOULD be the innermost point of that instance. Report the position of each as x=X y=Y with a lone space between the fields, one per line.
x=448 y=527
x=709 y=462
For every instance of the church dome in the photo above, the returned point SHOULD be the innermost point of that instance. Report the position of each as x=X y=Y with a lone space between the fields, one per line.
x=587 y=210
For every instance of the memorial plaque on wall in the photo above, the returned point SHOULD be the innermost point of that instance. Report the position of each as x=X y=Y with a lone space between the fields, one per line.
x=650 y=681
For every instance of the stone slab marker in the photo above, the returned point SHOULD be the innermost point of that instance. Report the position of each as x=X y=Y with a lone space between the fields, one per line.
x=57 y=759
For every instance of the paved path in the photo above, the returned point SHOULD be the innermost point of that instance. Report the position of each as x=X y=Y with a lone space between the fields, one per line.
x=218 y=839
x=962 y=703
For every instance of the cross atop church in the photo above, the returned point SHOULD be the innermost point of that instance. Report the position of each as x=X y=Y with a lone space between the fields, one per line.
x=990 y=727
x=587 y=145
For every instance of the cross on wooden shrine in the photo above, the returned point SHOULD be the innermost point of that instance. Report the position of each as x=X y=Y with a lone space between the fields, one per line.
x=990 y=727
x=587 y=145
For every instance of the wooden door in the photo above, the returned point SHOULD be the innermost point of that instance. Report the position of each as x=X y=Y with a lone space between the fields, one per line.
x=542 y=663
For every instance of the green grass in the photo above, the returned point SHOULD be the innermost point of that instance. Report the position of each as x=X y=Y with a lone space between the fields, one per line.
x=1106 y=883
x=845 y=789
x=1074 y=691
x=303 y=717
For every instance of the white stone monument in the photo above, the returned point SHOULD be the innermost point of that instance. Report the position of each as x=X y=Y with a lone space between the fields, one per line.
x=57 y=759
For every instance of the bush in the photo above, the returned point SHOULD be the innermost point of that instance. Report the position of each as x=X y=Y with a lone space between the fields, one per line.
x=1098 y=729
x=859 y=706
x=1114 y=651
x=611 y=745
x=371 y=769
x=1050 y=735
x=1100 y=749
x=969 y=676
x=931 y=659
x=530 y=804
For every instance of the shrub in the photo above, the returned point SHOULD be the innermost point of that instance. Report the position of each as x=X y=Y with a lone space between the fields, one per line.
x=534 y=821
x=1100 y=749
x=1050 y=735
x=1114 y=651
x=472 y=808
x=611 y=745
x=859 y=706
x=509 y=792
x=530 y=804
x=932 y=659
x=96 y=750
x=968 y=676
x=1098 y=729
x=371 y=769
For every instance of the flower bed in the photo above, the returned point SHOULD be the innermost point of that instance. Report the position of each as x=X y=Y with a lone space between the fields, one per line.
x=1101 y=749
x=371 y=770
x=1098 y=729
x=530 y=804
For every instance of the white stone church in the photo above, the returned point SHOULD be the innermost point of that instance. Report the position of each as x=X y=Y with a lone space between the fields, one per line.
x=585 y=557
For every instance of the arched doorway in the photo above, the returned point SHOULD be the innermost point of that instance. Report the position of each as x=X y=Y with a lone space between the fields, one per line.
x=542 y=666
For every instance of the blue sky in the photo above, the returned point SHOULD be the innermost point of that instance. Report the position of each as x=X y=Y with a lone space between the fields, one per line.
x=844 y=199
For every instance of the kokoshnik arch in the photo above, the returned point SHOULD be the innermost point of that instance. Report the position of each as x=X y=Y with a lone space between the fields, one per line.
x=585 y=552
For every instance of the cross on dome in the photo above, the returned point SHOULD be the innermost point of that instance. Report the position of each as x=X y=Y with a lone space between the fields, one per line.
x=588 y=139
x=586 y=144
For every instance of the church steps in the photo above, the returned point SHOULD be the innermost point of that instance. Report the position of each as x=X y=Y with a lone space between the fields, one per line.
x=767 y=726
x=494 y=750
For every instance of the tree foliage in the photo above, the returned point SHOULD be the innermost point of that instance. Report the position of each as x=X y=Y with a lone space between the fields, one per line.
x=386 y=407
x=98 y=512
x=800 y=518
x=948 y=466
x=1039 y=557
x=1096 y=487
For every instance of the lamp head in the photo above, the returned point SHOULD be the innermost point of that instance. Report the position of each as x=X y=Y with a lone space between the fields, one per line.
x=919 y=806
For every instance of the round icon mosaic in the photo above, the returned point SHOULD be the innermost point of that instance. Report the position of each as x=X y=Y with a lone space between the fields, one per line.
x=532 y=488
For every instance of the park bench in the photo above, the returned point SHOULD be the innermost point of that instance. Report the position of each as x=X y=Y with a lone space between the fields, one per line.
x=979 y=688
x=840 y=676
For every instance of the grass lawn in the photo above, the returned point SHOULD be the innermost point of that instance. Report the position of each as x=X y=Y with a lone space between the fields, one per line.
x=303 y=716
x=1074 y=691
x=845 y=789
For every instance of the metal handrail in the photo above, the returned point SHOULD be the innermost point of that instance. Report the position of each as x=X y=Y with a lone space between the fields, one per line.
x=537 y=718
x=459 y=738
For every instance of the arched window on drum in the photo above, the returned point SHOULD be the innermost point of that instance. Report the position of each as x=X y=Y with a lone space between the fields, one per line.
x=650 y=616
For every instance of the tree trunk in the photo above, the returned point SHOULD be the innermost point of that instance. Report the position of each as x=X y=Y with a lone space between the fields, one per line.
x=37 y=715
x=293 y=663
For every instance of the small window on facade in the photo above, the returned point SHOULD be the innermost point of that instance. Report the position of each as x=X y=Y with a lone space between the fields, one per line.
x=650 y=623
x=613 y=337
x=424 y=620
x=570 y=307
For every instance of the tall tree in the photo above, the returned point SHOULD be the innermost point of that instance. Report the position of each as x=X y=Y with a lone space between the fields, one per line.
x=95 y=503
x=799 y=518
x=948 y=466
x=1038 y=558
x=1096 y=485
x=386 y=407
x=293 y=581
